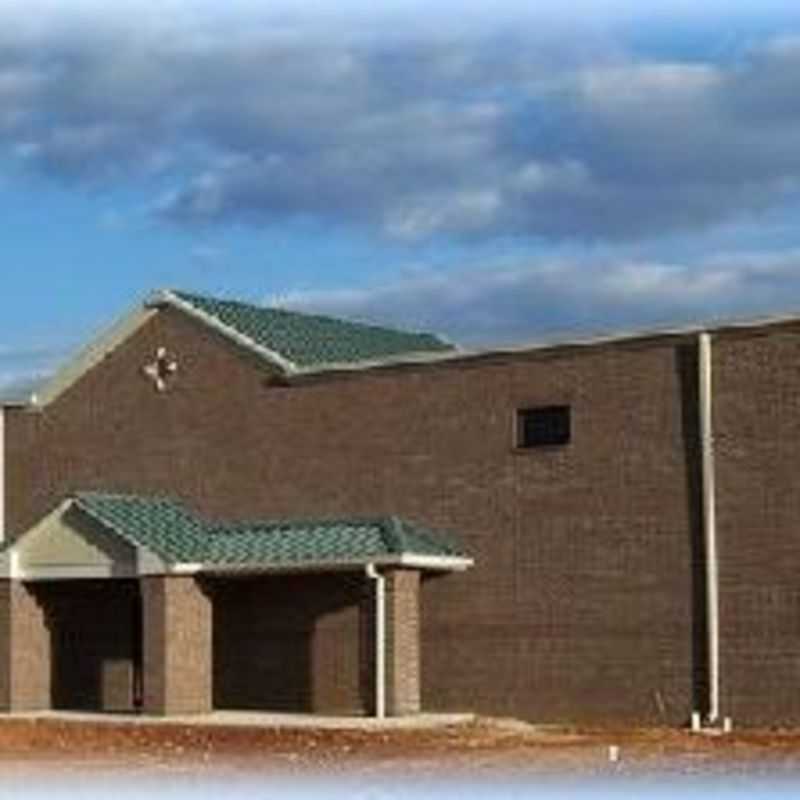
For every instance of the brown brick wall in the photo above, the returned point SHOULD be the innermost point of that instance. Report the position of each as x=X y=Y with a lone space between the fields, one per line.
x=290 y=643
x=25 y=664
x=402 y=642
x=757 y=427
x=176 y=646
x=581 y=602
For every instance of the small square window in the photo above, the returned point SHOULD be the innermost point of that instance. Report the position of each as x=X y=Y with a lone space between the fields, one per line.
x=546 y=425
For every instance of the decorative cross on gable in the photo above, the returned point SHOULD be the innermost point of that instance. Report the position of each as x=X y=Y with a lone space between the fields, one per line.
x=161 y=370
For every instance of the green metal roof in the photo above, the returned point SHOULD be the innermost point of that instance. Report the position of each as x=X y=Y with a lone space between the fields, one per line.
x=310 y=340
x=168 y=529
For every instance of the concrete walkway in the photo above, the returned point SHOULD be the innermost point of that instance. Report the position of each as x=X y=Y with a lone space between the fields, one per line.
x=255 y=719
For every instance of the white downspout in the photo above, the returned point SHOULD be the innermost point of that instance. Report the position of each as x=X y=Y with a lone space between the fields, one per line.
x=709 y=523
x=380 y=640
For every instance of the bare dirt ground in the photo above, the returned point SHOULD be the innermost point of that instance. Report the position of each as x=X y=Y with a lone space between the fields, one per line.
x=484 y=748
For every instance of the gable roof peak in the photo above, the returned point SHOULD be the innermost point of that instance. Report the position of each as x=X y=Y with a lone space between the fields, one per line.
x=294 y=342
x=297 y=341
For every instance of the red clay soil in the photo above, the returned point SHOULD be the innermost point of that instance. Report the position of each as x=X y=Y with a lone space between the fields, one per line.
x=486 y=746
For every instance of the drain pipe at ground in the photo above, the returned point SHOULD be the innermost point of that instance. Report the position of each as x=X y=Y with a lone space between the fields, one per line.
x=380 y=640
x=709 y=523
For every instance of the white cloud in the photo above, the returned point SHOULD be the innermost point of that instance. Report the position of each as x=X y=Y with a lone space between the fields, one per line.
x=537 y=176
x=541 y=299
x=649 y=83
x=258 y=115
x=469 y=210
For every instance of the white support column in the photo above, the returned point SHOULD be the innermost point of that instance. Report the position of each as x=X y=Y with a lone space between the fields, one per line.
x=709 y=522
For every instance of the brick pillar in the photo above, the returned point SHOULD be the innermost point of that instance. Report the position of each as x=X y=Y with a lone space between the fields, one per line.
x=25 y=649
x=402 y=642
x=176 y=646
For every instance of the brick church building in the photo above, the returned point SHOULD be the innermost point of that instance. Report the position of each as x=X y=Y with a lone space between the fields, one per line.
x=218 y=505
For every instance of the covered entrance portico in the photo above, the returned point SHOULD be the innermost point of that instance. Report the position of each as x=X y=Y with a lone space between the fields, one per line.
x=119 y=603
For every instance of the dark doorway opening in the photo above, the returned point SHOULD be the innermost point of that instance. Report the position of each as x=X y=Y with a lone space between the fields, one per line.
x=95 y=635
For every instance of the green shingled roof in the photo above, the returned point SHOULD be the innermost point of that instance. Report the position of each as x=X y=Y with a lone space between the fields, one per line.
x=176 y=535
x=310 y=340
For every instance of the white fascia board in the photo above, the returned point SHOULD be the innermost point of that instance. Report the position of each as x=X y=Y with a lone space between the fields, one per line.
x=91 y=355
x=185 y=569
x=448 y=563
x=150 y=564
x=166 y=297
x=435 y=563
x=404 y=359
x=554 y=345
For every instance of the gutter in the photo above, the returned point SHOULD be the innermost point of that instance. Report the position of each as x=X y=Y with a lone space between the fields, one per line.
x=709 y=522
x=433 y=563
x=380 y=640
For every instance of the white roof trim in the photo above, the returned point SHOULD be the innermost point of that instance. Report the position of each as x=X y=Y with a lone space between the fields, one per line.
x=166 y=297
x=409 y=560
x=91 y=355
x=100 y=347
x=449 y=563
x=107 y=341
x=184 y=569
x=148 y=564
x=555 y=344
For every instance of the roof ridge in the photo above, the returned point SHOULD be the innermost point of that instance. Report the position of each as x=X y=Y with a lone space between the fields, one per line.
x=377 y=521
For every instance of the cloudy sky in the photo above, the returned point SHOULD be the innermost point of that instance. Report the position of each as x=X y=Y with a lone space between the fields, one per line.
x=496 y=175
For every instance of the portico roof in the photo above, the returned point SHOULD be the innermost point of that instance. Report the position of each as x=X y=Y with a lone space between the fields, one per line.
x=169 y=534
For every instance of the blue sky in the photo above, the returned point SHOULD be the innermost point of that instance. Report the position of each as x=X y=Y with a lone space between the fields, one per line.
x=496 y=175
